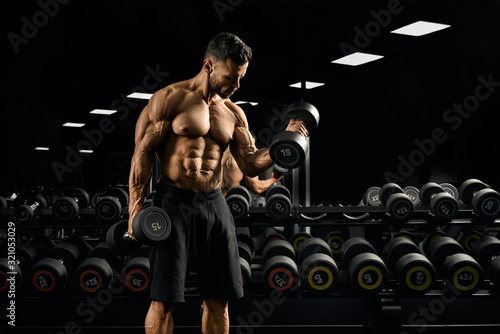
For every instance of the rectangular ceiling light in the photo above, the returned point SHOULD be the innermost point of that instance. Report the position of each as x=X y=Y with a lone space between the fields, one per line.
x=86 y=151
x=420 y=28
x=309 y=84
x=357 y=58
x=243 y=102
x=41 y=148
x=103 y=112
x=144 y=96
x=73 y=125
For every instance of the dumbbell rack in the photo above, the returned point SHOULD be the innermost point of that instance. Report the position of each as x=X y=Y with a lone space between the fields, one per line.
x=343 y=309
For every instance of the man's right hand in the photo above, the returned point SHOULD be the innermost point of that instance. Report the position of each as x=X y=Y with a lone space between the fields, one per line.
x=130 y=231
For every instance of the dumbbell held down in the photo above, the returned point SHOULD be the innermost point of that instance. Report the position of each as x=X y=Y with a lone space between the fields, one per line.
x=288 y=148
x=150 y=225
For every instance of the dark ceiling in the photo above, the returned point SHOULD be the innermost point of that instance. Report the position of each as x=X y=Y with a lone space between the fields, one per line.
x=397 y=118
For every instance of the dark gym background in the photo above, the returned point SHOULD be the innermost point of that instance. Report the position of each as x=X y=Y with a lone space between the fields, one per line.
x=64 y=58
x=88 y=54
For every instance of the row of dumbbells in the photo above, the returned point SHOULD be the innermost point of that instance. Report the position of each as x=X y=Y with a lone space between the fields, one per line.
x=442 y=201
x=106 y=206
x=324 y=265
x=44 y=267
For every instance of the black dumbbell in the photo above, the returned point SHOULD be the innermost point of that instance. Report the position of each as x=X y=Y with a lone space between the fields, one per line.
x=30 y=209
x=318 y=271
x=429 y=239
x=43 y=244
x=278 y=203
x=96 y=197
x=136 y=275
x=243 y=234
x=443 y=205
x=371 y=197
x=450 y=189
x=335 y=239
x=413 y=193
x=455 y=266
x=398 y=205
x=414 y=273
x=485 y=202
x=150 y=225
x=239 y=199
x=96 y=271
x=288 y=149
x=11 y=270
x=280 y=269
x=246 y=258
x=269 y=234
x=367 y=271
x=109 y=207
x=50 y=274
x=467 y=237
x=486 y=251
x=69 y=206
x=297 y=238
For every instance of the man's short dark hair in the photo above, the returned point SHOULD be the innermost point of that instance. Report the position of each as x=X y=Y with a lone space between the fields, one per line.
x=226 y=45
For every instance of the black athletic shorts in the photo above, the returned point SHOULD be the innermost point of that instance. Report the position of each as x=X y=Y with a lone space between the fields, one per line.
x=203 y=235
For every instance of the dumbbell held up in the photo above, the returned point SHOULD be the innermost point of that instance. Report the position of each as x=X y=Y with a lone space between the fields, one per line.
x=289 y=148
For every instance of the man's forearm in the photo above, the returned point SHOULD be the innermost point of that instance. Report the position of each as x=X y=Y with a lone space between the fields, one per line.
x=140 y=174
x=256 y=163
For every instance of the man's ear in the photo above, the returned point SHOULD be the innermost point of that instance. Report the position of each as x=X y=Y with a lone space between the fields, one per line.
x=208 y=66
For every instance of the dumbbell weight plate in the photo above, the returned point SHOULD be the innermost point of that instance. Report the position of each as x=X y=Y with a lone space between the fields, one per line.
x=239 y=199
x=288 y=149
x=368 y=273
x=485 y=249
x=246 y=271
x=278 y=204
x=429 y=239
x=468 y=237
x=108 y=209
x=415 y=273
x=305 y=112
x=450 y=189
x=335 y=239
x=313 y=246
x=48 y=276
x=486 y=203
x=151 y=225
x=354 y=246
x=93 y=274
x=396 y=248
x=408 y=235
x=463 y=272
x=281 y=273
x=399 y=207
x=371 y=196
x=468 y=188
x=115 y=237
x=413 y=193
x=442 y=248
x=136 y=275
x=67 y=208
x=387 y=190
x=25 y=212
x=69 y=253
x=120 y=193
x=319 y=274
x=298 y=238
x=278 y=247
x=245 y=251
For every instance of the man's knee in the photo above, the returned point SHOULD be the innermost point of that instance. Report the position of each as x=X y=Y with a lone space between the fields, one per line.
x=161 y=308
x=215 y=305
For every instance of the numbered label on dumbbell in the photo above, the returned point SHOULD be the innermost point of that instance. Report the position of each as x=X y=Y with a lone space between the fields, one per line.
x=43 y=281
x=137 y=280
x=280 y=279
